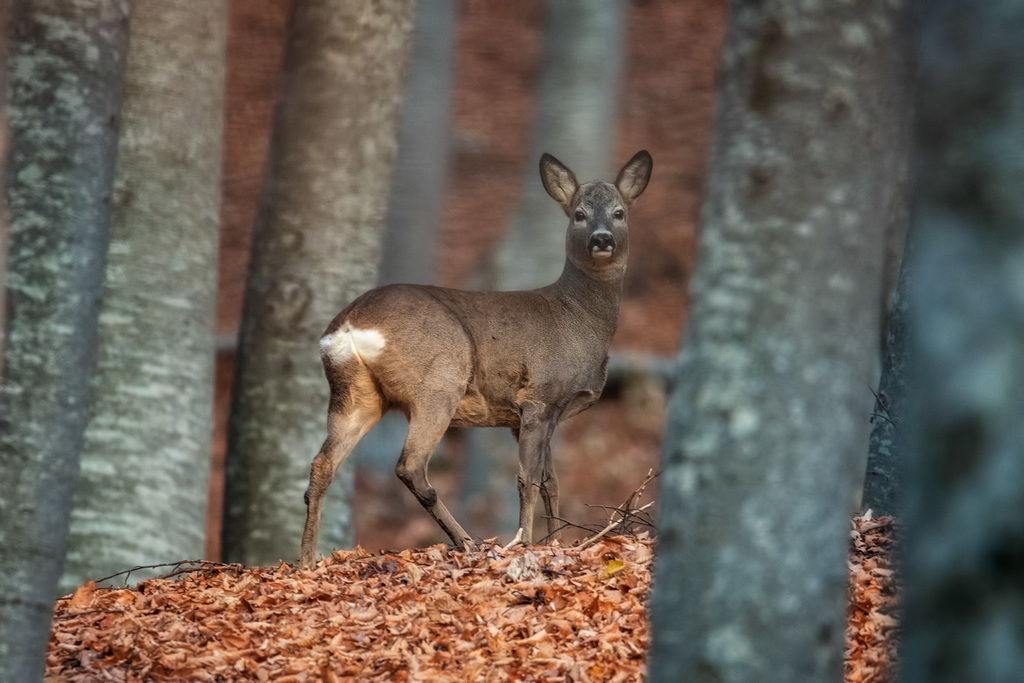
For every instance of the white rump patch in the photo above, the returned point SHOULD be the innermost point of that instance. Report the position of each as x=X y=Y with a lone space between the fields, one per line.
x=348 y=341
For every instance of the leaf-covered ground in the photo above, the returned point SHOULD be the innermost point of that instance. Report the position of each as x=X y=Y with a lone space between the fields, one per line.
x=543 y=613
x=872 y=627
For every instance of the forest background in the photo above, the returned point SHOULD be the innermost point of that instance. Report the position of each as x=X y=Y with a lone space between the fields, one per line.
x=663 y=102
x=834 y=111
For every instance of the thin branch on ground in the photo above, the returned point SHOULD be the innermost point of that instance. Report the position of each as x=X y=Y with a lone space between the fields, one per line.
x=179 y=567
x=611 y=525
x=627 y=516
x=566 y=524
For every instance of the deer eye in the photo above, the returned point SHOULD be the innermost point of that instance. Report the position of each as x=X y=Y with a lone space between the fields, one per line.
x=619 y=214
x=579 y=215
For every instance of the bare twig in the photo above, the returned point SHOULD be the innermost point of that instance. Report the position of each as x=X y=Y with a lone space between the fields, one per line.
x=79 y=615
x=886 y=415
x=626 y=516
x=178 y=569
x=611 y=525
x=566 y=524
x=515 y=541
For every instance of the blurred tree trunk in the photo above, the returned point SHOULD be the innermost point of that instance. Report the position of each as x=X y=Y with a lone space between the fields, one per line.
x=420 y=179
x=4 y=222
x=885 y=477
x=66 y=63
x=315 y=247
x=141 y=496
x=768 y=429
x=412 y=232
x=575 y=117
x=965 y=538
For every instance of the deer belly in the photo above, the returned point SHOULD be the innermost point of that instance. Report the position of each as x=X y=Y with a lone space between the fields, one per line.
x=474 y=410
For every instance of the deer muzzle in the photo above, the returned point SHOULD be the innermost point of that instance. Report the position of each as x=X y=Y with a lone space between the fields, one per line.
x=602 y=244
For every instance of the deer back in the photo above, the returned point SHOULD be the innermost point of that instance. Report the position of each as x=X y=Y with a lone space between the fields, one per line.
x=492 y=352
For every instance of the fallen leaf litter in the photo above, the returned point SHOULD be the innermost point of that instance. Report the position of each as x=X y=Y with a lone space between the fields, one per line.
x=539 y=613
x=872 y=621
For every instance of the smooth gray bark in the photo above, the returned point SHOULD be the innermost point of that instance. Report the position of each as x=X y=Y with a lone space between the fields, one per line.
x=315 y=247
x=66 y=63
x=141 y=496
x=884 y=475
x=964 y=569
x=575 y=117
x=885 y=478
x=420 y=179
x=412 y=233
x=768 y=428
x=4 y=222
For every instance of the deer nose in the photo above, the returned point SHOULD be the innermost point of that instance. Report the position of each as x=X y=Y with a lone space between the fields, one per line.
x=601 y=244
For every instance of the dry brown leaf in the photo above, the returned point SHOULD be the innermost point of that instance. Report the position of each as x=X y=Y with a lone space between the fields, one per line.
x=81 y=601
x=542 y=613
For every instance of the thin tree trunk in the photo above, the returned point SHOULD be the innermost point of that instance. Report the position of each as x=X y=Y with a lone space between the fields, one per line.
x=964 y=602
x=66 y=65
x=886 y=464
x=885 y=478
x=141 y=497
x=4 y=221
x=575 y=116
x=768 y=422
x=315 y=247
x=418 y=185
x=420 y=179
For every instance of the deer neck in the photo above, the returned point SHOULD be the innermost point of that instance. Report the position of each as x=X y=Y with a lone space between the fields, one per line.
x=594 y=296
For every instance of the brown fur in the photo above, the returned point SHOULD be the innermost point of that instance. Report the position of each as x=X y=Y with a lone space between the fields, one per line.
x=523 y=360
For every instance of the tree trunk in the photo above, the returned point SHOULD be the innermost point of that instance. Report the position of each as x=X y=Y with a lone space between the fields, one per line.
x=768 y=422
x=66 y=63
x=141 y=496
x=965 y=538
x=315 y=247
x=884 y=475
x=885 y=478
x=420 y=179
x=415 y=203
x=4 y=221
x=575 y=116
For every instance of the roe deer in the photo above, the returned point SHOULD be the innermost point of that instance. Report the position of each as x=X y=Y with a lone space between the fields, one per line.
x=525 y=360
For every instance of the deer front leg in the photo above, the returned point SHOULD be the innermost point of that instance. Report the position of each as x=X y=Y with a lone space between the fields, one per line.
x=549 y=494
x=534 y=442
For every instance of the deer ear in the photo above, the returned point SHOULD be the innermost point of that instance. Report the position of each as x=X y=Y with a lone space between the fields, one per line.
x=633 y=177
x=558 y=180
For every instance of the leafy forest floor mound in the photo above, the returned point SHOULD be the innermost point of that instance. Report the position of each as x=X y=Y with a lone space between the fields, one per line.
x=541 y=613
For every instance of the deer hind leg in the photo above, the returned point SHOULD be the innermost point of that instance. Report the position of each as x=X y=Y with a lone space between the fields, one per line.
x=348 y=420
x=426 y=427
